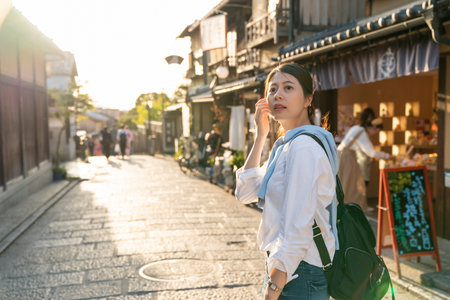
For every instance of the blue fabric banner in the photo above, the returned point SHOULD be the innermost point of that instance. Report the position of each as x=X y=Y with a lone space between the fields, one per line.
x=331 y=75
x=415 y=54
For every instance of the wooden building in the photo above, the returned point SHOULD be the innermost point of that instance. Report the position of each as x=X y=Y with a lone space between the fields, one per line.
x=24 y=142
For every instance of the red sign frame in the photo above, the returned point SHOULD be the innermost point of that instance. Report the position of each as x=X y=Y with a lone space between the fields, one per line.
x=385 y=206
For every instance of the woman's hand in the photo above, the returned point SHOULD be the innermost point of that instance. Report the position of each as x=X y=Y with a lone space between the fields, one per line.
x=279 y=278
x=262 y=130
x=271 y=295
x=261 y=118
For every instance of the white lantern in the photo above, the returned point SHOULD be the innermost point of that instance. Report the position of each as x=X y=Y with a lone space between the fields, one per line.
x=222 y=72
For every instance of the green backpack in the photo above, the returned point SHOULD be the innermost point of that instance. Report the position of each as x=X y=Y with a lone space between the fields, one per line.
x=356 y=271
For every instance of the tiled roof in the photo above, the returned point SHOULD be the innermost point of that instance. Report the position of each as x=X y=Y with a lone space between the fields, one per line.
x=357 y=28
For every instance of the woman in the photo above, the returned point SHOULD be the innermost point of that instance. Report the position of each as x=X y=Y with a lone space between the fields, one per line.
x=296 y=186
x=356 y=152
x=106 y=142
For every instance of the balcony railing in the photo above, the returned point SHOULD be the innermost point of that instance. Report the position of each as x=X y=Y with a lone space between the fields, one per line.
x=270 y=26
x=248 y=59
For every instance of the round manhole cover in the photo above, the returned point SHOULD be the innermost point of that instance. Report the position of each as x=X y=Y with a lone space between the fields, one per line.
x=177 y=269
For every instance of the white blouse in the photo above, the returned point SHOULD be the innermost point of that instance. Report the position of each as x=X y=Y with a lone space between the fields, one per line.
x=300 y=189
x=362 y=142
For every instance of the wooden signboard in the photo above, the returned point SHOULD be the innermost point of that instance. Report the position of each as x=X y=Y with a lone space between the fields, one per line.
x=405 y=200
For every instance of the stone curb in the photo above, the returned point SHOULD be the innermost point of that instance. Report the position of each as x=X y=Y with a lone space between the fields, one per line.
x=22 y=227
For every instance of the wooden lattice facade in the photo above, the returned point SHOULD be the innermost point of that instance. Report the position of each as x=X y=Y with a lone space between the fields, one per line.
x=24 y=145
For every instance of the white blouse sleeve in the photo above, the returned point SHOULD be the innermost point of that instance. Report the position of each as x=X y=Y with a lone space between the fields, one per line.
x=363 y=142
x=306 y=165
x=248 y=183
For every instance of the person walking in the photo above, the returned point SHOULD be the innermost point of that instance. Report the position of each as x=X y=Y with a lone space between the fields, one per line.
x=122 y=137
x=106 y=142
x=296 y=187
x=130 y=138
x=356 y=152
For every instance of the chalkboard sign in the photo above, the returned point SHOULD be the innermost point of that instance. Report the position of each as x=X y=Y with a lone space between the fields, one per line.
x=410 y=210
x=404 y=198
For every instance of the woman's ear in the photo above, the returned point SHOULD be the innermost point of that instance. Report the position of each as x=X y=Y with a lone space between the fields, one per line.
x=308 y=101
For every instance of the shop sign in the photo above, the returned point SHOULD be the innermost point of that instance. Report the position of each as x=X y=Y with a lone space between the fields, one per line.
x=405 y=201
x=213 y=32
x=387 y=64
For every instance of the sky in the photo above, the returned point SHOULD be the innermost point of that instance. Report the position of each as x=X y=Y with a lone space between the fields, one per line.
x=119 y=45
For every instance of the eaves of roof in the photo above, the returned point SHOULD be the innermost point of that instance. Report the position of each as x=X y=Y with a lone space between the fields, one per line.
x=97 y=116
x=174 y=107
x=357 y=31
x=16 y=22
x=199 y=90
x=240 y=84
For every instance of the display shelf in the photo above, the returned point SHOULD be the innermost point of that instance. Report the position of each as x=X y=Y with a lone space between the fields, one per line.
x=398 y=150
x=403 y=126
x=358 y=108
x=386 y=109
x=387 y=123
x=409 y=136
x=398 y=138
x=399 y=123
x=386 y=138
x=412 y=109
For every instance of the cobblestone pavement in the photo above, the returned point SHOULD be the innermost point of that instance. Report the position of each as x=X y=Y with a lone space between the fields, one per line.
x=139 y=229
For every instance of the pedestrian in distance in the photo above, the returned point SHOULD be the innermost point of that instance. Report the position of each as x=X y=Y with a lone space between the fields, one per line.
x=97 y=147
x=356 y=152
x=122 y=137
x=90 y=143
x=107 y=142
x=296 y=187
x=130 y=138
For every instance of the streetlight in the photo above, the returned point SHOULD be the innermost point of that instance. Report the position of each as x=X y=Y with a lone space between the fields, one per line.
x=150 y=146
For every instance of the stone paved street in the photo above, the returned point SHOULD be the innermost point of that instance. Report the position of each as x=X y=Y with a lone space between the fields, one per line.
x=197 y=240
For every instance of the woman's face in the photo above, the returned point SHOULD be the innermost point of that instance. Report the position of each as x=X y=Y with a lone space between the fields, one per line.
x=287 y=102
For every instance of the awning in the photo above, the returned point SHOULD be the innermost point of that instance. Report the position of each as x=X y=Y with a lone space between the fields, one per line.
x=240 y=84
x=202 y=97
x=174 y=107
x=412 y=55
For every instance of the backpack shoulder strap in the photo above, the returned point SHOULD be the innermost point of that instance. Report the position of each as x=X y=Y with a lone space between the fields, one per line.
x=339 y=190
x=321 y=247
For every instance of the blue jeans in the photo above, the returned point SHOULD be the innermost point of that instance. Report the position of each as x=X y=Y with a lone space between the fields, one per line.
x=311 y=284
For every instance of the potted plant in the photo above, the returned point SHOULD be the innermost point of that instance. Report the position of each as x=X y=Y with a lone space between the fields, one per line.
x=238 y=159
x=59 y=173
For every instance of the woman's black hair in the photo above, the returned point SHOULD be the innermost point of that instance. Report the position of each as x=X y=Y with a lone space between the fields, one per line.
x=303 y=77
x=367 y=115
